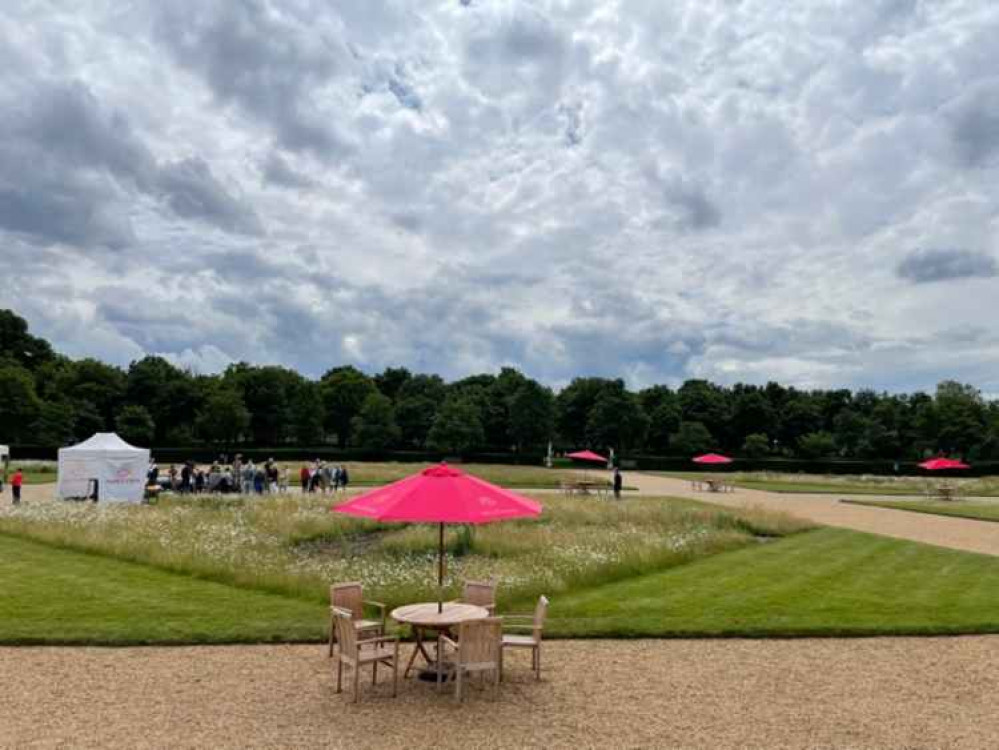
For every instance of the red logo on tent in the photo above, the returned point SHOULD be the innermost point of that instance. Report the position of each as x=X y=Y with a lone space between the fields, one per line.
x=122 y=474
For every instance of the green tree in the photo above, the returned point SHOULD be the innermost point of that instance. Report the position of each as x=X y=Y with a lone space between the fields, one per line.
x=55 y=423
x=961 y=417
x=756 y=445
x=391 y=380
x=224 y=418
x=306 y=413
x=707 y=403
x=819 y=444
x=19 y=404
x=344 y=390
x=752 y=413
x=416 y=406
x=135 y=425
x=691 y=439
x=457 y=427
x=663 y=407
x=617 y=420
x=267 y=393
x=20 y=346
x=374 y=426
x=573 y=405
x=532 y=415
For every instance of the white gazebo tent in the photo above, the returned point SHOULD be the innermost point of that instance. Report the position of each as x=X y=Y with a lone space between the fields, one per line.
x=118 y=468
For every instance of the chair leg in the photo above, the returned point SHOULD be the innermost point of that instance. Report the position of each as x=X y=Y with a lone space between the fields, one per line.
x=500 y=670
x=332 y=635
x=440 y=662
x=395 y=671
x=457 y=690
x=374 y=673
x=339 y=675
x=537 y=661
x=357 y=676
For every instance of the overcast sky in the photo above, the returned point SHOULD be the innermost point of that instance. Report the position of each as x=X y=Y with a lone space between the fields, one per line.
x=744 y=190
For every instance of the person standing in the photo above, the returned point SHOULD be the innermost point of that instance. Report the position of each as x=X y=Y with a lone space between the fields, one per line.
x=303 y=477
x=15 y=485
x=618 y=483
x=344 y=478
x=249 y=471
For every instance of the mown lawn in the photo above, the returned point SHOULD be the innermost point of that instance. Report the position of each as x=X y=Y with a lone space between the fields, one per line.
x=51 y=596
x=845 y=485
x=827 y=582
x=980 y=511
x=33 y=477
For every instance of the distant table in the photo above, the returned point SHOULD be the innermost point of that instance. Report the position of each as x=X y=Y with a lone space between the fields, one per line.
x=715 y=485
x=585 y=486
x=946 y=492
x=424 y=617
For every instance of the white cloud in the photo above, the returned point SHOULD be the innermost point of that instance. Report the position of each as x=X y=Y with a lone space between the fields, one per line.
x=646 y=189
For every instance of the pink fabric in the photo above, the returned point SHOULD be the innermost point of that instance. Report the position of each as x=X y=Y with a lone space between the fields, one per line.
x=936 y=464
x=712 y=458
x=440 y=494
x=586 y=456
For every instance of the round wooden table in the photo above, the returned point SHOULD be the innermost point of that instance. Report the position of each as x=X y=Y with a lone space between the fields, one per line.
x=425 y=617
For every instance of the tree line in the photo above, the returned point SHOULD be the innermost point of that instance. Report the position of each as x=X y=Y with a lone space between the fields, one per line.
x=49 y=399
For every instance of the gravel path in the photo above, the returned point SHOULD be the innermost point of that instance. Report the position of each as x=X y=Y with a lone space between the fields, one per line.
x=957 y=533
x=878 y=693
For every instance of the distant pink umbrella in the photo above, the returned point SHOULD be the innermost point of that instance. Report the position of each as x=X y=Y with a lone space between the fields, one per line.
x=440 y=494
x=712 y=458
x=939 y=464
x=586 y=456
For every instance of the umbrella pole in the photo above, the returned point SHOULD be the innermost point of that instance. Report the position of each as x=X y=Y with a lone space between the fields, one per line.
x=440 y=571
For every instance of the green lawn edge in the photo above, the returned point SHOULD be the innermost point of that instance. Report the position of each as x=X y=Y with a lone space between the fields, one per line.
x=919 y=506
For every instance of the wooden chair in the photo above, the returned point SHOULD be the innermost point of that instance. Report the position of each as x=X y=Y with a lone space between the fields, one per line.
x=350 y=597
x=480 y=593
x=532 y=641
x=357 y=652
x=478 y=650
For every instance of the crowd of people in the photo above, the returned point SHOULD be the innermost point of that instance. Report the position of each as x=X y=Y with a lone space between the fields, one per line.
x=246 y=477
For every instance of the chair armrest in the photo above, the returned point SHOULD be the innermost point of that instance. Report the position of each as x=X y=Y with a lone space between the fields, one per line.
x=376 y=605
x=379 y=639
x=528 y=628
x=444 y=639
x=529 y=618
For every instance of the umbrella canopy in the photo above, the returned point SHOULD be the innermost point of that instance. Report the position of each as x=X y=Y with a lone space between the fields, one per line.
x=440 y=494
x=938 y=464
x=587 y=456
x=712 y=458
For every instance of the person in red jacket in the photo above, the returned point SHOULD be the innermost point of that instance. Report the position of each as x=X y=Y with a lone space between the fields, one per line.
x=303 y=477
x=15 y=485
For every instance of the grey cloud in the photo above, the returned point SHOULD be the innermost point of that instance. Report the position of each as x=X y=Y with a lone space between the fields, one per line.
x=263 y=59
x=277 y=171
x=925 y=266
x=976 y=127
x=193 y=191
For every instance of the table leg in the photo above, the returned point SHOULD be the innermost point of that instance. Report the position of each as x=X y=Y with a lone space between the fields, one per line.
x=418 y=636
x=419 y=649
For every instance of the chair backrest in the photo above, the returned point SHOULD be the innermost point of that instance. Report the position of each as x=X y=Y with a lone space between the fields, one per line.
x=480 y=593
x=480 y=641
x=540 y=613
x=348 y=596
x=346 y=633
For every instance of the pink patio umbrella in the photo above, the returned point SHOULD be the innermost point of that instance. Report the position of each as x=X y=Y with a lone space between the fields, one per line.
x=587 y=456
x=940 y=464
x=712 y=458
x=440 y=494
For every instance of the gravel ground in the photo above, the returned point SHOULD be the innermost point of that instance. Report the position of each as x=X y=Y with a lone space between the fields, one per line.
x=879 y=693
x=957 y=533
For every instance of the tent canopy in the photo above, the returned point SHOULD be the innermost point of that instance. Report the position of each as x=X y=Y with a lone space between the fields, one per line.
x=4 y=452
x=119 y=468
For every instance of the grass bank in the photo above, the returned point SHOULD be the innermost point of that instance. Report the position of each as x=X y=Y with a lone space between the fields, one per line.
x=55 y=596
x=846 y=484
x=293 y=545
x=980 y=511
x=828 y=582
